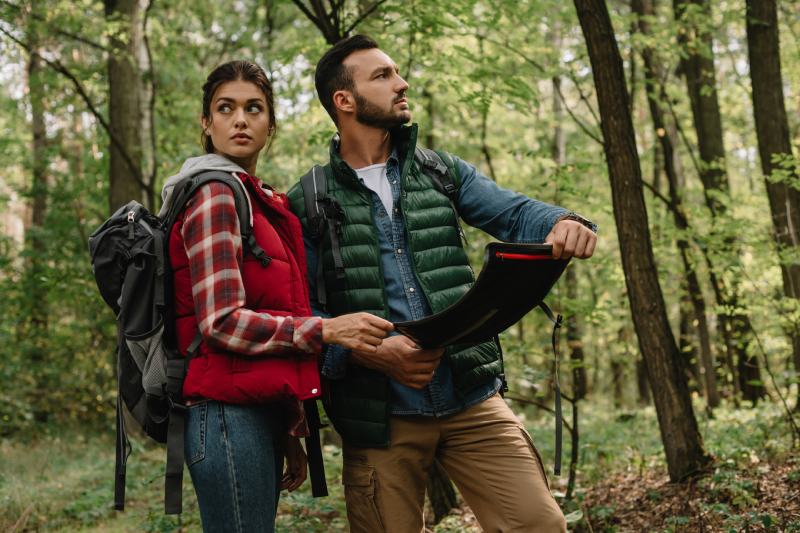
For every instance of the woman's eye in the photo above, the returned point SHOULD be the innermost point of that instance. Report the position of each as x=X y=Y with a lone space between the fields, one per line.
x=224 y=108
x=254 y=108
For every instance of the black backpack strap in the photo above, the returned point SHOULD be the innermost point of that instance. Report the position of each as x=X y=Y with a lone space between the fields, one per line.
x=316 y=466
x=441 y=169
x=185 y=189
x=123 y=450
x=556 y=320
x=322 y=211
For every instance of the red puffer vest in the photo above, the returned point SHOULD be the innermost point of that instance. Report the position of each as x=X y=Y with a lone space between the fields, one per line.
x=278 y=289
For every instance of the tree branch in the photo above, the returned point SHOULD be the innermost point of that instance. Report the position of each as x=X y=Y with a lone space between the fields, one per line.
x=541 y=69
x=302 y=7
x=61 y=69
x=70 y=35
x=367 y=12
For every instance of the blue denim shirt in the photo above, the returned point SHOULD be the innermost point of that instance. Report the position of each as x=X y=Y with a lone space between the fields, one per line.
x=506 y=215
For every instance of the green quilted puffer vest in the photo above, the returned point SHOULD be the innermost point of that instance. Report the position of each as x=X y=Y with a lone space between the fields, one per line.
x=359 y=404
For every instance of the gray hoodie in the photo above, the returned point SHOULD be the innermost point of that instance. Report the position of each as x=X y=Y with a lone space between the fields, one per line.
x=195 y=165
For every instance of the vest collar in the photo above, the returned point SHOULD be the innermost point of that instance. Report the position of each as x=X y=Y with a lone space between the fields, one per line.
x=404 y=142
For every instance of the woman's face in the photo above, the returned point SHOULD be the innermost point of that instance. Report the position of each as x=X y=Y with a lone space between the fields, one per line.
x=239 y=125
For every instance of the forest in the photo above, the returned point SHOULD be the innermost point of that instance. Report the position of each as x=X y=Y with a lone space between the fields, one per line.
x=673 y=125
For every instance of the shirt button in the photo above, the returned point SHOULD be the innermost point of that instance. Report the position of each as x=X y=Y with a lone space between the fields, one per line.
x=411 y=289
x=314 y=391
x=399 y=250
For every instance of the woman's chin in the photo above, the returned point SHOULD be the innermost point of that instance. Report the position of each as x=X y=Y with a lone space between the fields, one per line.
x=240 y=153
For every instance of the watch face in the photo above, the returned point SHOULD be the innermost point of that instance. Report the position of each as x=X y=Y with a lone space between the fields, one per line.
x=515 y=279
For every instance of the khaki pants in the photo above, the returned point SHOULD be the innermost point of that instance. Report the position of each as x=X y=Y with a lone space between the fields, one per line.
x=485 y=450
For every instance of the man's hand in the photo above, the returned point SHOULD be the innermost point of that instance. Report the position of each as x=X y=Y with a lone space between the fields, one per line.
x=356 y=331
x=570 y=238
x=400 y=359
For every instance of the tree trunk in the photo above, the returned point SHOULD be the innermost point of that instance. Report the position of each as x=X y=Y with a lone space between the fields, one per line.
x=644 y=8
x=772 y=130
x=686 y=343
x=441 y=492
x=35 y=332
x=125 y=103
x=642 y=385
x=574 y=341
x=683 y=443
x=697 y=65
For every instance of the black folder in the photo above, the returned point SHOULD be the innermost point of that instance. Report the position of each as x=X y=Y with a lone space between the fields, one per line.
x=515 y=279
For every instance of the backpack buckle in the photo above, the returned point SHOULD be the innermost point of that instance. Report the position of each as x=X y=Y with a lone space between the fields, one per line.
x=176 y=406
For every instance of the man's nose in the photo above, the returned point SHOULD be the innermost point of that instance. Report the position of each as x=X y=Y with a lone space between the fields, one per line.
x=402 y=85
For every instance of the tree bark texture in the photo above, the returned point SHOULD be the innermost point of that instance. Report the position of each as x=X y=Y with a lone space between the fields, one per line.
x=655 y=95
x=683 y=443
x=34 y=324
x=697 y=65
x=772 y=130
x=577 y=358
x=125 y=104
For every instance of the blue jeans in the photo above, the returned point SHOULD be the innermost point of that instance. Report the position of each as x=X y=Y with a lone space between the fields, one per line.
x=235 y=457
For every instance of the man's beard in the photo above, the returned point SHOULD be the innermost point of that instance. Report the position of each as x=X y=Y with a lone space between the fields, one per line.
x=370 y=114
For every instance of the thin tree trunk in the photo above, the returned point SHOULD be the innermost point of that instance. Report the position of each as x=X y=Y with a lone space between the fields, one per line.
x=683 y=443
x=697 y=65
x=574 y=341
x=772 y=130
x=35 y=333
x=125 y=103
x=644 y=8
x=686 y=343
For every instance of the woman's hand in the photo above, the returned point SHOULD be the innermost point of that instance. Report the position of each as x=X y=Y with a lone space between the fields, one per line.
x=357 y=331
x=296 y=465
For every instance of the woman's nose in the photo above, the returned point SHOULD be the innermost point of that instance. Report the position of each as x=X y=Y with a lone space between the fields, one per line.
x=239 y=118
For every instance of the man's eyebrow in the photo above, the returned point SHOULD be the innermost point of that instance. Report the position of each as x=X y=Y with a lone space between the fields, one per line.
x=385 y=69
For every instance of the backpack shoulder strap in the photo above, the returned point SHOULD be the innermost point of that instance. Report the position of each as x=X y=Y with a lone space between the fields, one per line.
x=315 y=188
x=439 y=167
x=186 y=188
x=323 y=212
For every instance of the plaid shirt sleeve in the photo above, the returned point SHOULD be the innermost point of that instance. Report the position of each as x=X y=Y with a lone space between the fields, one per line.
x=213 y=242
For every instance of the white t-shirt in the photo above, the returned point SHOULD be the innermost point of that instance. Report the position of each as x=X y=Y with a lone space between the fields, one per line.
x=375 y=179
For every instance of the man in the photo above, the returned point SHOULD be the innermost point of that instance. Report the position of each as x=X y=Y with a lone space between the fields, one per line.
x=396 y=252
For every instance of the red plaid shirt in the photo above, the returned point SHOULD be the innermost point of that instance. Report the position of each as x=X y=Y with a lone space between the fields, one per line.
x=213 y=243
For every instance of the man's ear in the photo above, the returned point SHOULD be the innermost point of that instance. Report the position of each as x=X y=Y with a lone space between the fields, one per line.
x=344 y=101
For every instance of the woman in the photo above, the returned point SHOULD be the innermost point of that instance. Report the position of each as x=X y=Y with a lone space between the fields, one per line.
x=258 y=356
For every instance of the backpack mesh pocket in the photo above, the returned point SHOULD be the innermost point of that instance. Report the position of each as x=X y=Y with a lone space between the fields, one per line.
x=151 y=358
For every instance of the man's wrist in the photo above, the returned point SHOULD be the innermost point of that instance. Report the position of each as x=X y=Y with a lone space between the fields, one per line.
x=578 y=218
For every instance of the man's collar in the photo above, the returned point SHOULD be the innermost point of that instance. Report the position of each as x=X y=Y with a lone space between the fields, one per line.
x=403 y=138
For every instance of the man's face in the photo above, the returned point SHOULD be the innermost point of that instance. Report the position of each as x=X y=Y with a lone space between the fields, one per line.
x=378 y=90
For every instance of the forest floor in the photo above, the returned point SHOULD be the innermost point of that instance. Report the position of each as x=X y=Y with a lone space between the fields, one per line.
x=60 y=479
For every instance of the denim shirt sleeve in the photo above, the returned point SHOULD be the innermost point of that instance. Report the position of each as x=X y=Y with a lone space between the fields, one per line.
x=505 y=215
x=334 y=357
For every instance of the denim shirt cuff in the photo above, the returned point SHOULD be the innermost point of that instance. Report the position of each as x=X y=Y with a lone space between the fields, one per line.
x=551 y=219
x=334 y=361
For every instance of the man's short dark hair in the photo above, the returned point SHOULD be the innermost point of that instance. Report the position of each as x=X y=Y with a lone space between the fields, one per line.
x=331 y=75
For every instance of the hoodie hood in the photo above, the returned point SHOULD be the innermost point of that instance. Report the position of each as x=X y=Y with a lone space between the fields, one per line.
x=196 y=165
